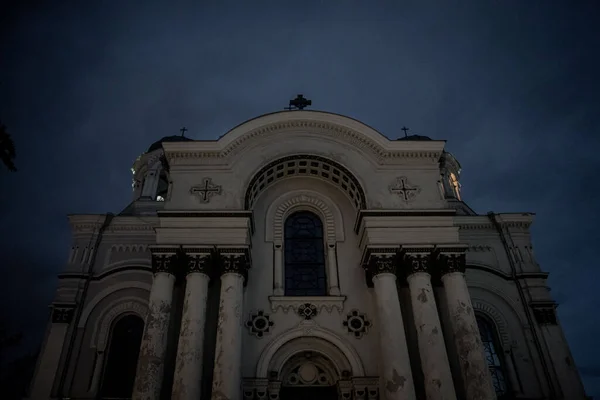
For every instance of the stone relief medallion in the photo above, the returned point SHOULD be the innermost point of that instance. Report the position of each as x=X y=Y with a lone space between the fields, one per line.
x=357 y=323
x=259 y=323
x=307 y=311
x=404 y=189
x=205 y=190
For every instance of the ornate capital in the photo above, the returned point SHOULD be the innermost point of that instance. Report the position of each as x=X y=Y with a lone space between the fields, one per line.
x=200 y=263
x=454 y=262
x=63 y=314
x=417 y=262
x=382 y=264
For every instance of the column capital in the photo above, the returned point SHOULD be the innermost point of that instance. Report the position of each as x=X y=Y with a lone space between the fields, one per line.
x=417 y=259
x=171 y=260
x=234 y=261
x=452 y=262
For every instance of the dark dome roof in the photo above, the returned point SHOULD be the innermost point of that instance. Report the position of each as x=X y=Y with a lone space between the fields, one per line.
x=415 y=137
x=175 y=138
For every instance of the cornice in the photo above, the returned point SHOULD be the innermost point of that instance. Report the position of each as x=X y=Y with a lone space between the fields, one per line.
x=432 y=151
x=400 y=213
x=92 y=223
x=481 y=222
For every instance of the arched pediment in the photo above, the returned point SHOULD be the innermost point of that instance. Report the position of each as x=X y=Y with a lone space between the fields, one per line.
x=335 y=127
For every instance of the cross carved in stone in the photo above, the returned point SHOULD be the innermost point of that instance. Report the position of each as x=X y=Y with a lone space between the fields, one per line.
x=206 y=190
x=404 y=189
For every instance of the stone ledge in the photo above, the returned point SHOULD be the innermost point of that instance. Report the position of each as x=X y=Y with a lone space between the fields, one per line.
x=294 y=302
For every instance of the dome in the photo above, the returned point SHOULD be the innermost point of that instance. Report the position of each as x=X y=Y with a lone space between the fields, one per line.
x=175 y=138
x=415 y=137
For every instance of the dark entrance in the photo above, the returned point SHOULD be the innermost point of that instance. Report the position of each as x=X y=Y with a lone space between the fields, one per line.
x=124 y=349
x=308 y=393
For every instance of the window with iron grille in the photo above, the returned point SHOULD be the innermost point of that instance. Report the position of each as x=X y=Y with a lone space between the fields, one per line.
x=493 y=358
x=304 y=255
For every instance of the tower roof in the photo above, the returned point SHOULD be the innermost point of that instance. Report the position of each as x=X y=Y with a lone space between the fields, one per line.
x=174 y=138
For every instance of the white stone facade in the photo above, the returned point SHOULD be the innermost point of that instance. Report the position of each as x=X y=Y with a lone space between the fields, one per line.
x=408 y=271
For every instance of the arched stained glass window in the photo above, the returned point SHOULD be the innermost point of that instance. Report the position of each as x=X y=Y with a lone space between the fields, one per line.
x=493 y=358
x=304 y=255
x=123 y=353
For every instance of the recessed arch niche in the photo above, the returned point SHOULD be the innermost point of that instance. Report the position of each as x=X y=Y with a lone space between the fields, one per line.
x=306 y=165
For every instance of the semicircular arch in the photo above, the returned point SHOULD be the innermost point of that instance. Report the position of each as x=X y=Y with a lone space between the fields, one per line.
x=305 y=165
x=89 y=308
x=112 y=312
x=328 y=343
x=300 y=200
x=348 y=129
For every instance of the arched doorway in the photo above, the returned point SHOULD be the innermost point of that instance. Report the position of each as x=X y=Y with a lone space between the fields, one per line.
x=308 y=376
x=123 y=353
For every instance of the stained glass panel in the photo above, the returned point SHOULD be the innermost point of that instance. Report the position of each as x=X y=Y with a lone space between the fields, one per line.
x=493 y=359
x=304 y=255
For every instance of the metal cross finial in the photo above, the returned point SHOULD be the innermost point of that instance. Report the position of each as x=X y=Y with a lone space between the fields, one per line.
x=299 y=103
x=405 y=129
x=183 y=130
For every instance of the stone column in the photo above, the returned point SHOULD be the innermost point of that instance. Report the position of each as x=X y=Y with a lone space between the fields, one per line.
x=227 y=375
x=278 y=270
x=188 y=366
x=48 y=367
x=149 y=376
x=334 y=286
x=473 y=365
x=396 y=374
x=432 y=348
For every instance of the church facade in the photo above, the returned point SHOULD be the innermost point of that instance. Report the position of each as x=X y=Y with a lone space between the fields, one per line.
x=302 y=254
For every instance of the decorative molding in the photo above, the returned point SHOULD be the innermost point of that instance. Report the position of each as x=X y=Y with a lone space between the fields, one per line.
x=306 y=165
x=323 y=128
x=307 y=311
x=131 y=248
x=259 y=323
x=63 y=313
x=327 y=303
x=290 y=202
x=404 y=190
x=205 y=191
x=357 y=324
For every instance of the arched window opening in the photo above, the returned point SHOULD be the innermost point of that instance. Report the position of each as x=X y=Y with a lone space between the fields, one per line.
x=123 y=353
x=493 y=358
x=304 y=255
x=163 y=186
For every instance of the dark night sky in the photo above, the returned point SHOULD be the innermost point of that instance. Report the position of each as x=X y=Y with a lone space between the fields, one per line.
x=512 y=85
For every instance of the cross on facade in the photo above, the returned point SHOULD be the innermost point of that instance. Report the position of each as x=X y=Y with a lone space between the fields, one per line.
x=403 y=189
x=299 y=103
x=405 y=129
x=183 y=130
x=206 y=190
